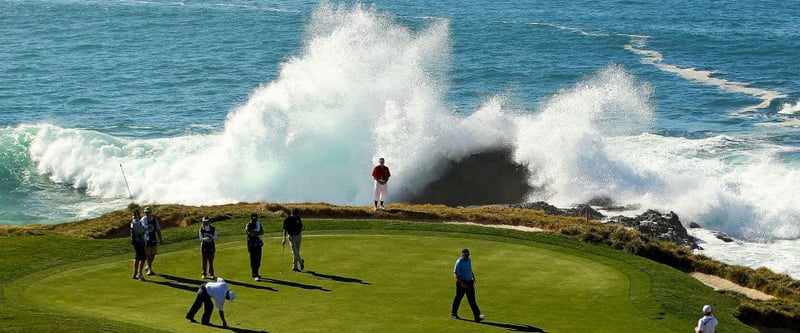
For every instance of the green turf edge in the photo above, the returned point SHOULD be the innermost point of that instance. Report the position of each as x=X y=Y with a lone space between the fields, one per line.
x=672 y=297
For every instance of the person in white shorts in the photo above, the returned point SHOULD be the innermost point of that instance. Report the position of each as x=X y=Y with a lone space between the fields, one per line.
x=381 y=175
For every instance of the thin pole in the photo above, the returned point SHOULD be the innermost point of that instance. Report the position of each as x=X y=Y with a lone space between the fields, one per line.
x=283 y=252
x=130 y=195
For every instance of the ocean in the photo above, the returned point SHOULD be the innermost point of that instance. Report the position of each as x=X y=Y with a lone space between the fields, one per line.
x=684 y=106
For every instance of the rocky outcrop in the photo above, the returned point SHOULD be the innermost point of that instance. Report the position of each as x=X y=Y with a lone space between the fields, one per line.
x=657 y=225
x=651 y=223
x=579 y=210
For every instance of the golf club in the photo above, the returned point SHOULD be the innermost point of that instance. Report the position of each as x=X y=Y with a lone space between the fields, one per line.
x=283 y=255
x=130 y=195
x=233 y=315
x=475 y=289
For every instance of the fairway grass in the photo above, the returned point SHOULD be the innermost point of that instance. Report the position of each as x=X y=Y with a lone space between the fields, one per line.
x=366 y=276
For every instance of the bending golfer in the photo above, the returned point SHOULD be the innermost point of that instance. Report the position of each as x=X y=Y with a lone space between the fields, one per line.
x=150 y=222
x=465 y=284
x=219 y=292
x=137 y=241
x=293 y=229
x=254 y=243
x=208 y=234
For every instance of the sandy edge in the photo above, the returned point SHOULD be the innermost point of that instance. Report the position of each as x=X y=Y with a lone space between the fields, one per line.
x=501 y=226
x=715 y=282
x=718 y=283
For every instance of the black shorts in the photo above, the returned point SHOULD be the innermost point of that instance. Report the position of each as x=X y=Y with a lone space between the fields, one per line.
x=138 y=248
x=208 y=247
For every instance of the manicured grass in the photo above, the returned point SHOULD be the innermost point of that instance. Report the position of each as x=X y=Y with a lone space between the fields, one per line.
x=367 y=276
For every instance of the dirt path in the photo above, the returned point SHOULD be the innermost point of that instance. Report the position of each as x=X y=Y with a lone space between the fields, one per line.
x=718 y=283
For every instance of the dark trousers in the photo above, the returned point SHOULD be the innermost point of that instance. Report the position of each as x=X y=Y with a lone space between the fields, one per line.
x=202 y=299
x=470 y=292
x=255 y=259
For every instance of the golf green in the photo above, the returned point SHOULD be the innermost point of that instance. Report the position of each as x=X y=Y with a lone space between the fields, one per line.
x=355 y=282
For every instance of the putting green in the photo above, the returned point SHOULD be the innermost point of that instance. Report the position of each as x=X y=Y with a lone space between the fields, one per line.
x=397 y=282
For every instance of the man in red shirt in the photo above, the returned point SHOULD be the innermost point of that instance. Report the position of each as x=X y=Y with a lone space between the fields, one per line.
x=381 y=175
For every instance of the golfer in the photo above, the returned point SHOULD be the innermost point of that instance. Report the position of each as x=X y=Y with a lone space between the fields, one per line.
x=708 y=322
x=381 y=175
x=219 y=292
x=293 y=229
x=151 y=223
x=137 y=241
x=208 y=235
x=255 y=242
x=465 y=284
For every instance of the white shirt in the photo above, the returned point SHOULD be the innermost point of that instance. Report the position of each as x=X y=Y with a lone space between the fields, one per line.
x=707 y=324
x=217 y=291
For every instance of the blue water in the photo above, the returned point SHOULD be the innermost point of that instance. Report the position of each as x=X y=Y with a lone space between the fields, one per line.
x=687 y=106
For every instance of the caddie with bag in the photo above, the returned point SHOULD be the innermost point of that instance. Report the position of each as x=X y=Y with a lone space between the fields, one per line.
x=137 y=241
x=153 y=227
x=208 y=234
x=255 y=242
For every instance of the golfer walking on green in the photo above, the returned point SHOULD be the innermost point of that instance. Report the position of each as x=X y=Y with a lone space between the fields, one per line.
x=465 y=284
x=293 y=229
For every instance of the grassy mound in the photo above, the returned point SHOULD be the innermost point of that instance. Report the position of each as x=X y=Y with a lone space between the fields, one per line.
x=368 y=275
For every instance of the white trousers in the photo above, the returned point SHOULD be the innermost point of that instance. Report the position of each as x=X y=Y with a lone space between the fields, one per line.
x=380 y=191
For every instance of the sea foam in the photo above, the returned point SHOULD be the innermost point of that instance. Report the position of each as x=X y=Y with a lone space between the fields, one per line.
x=365 y=86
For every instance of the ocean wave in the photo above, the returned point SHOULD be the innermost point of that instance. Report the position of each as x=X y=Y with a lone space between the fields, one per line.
x=365 y=86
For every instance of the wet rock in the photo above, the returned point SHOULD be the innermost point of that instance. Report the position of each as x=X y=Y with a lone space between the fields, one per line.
x=723 y=237
x=579 y=210
x=657 y=225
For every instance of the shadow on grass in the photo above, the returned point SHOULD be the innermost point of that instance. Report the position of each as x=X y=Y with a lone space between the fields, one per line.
x=293 y=284
x=248 y=285
x=182 y=283
x=337 y=278
x=182 y=279
x=514 y=327
x=236 y=329
x=176 y=285
x=510 y=326
x=193 y=284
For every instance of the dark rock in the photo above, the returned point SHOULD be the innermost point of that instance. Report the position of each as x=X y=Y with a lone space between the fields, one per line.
x=694 y=225
x=601 y=202
x=723 y=237
x=651 y=223
x=660 y=226
x=543 y=206
x=485 y=178
x=579 y=210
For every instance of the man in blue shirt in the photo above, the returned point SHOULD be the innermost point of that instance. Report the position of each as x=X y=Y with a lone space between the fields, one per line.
x=465 y=284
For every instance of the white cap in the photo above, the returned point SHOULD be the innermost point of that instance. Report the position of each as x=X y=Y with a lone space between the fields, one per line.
x=206 y=219
x=220 y=280
x=147 y=209
x=707 y=309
